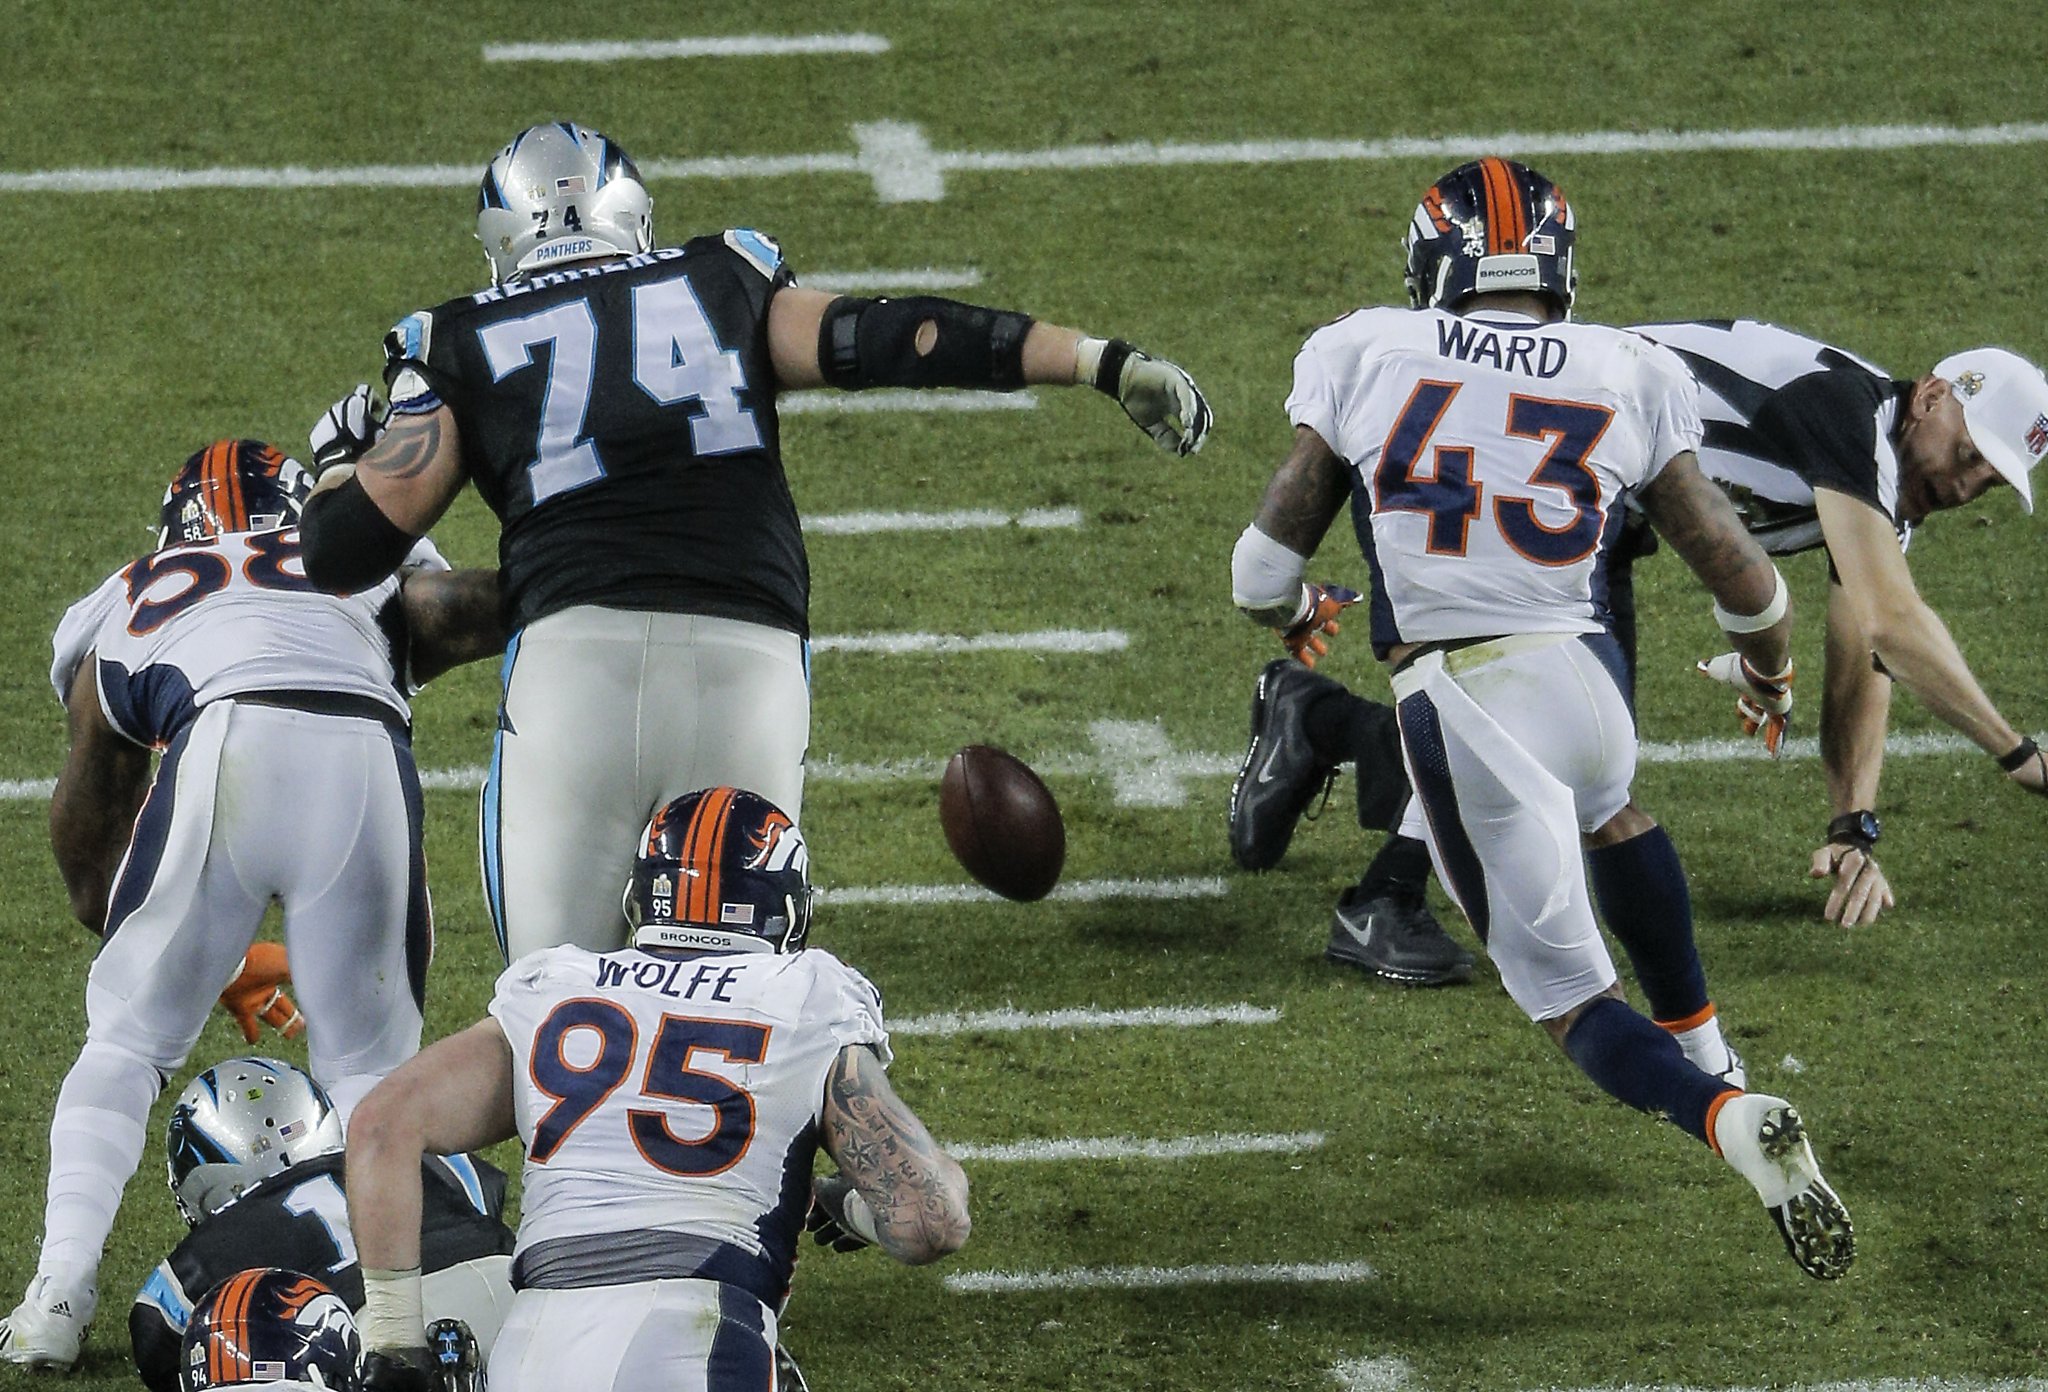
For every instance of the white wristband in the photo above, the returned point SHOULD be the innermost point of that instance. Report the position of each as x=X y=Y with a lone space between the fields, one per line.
x=1266 y=579
x=1088 y=360
x=1756 y=623
x=393 y=1314
x=859 y=1217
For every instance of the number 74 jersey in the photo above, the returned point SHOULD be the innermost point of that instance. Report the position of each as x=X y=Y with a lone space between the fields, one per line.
x=675 y=1098
x=1489 y=456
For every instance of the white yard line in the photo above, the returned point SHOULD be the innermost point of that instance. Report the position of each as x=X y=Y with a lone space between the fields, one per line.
x=722 y=46
x=904 y=166
x=1141 y=1017
x=1138 y=1147
x=966 y=520
x=919 y=278
x=1050 y=640
x=836 y=403
x=1395 y=1375
x=1373 y=1374
x=1159 y=1277
x=1075 y=891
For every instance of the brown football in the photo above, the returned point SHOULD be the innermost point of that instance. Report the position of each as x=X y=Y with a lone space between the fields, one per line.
x=1002 y=822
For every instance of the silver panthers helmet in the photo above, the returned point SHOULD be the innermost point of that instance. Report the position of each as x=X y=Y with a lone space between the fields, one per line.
x=241 y=1121
x=558 y=193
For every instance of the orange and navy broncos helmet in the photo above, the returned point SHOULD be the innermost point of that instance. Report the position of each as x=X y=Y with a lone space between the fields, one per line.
x=274 y=1329
x=1490 y=225
x=721 y=870
x=233 y=486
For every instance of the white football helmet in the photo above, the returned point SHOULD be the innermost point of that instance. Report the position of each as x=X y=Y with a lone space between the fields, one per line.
x=241 y=1121
x=558 y=193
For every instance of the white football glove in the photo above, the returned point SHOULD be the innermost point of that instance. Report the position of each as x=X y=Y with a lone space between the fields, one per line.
x=840 y=1217
x=1157 y=394
x=348 y=429
x=1763 y=702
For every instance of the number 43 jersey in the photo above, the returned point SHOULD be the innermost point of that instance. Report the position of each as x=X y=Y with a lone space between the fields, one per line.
x=1489 y=454
x=670 y=1107
x=619 y=418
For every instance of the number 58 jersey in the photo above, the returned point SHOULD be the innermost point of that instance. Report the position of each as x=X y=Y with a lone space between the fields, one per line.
x=670 y=1108
x=1489 y=455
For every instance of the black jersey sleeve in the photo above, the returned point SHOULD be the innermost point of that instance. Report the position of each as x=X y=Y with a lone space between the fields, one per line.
x=156 y=1328
x=1823 y=427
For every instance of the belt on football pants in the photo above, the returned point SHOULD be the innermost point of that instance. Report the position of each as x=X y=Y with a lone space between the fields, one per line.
x=1463 y=654
x=652 y=1254
x=343 y=703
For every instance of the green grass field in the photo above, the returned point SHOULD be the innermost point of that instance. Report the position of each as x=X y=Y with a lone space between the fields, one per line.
x=1524 y=1231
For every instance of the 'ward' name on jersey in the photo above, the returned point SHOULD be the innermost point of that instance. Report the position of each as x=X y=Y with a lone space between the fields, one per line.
x=662 y=977
x=1472 y=342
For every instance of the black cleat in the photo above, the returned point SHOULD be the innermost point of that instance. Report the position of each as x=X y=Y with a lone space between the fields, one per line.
x=1400 y=942
x=1281 y=774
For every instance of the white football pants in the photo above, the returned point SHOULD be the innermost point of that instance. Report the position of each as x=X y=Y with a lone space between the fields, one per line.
x=1514 y=748
x=607 y=716
x=647 y=1336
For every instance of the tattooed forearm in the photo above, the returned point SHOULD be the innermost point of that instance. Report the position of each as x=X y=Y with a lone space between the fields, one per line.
x=1307 y=492
x=917 y=1191
x=452 y=617
x=1701 y=525
x=406 y=449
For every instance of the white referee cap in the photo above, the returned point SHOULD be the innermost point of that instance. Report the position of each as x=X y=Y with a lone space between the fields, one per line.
x=2005 y=408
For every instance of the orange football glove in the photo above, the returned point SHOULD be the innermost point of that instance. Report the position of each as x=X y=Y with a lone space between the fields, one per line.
x=1305 y=638
x=1763 y=702
x=256 y=996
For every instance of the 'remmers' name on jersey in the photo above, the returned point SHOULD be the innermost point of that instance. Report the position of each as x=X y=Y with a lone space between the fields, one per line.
x=713 y=978
x=1472 y=342
x=567 y=274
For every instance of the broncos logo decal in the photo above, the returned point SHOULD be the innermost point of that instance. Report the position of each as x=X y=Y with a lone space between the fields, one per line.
x=777 y=845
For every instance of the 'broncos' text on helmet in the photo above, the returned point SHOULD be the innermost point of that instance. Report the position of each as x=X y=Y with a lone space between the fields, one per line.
x=1488 y=226
x=272 y=1329
x=241 y=1121
x=558 y=193
x=232 y=486
x=721 y=870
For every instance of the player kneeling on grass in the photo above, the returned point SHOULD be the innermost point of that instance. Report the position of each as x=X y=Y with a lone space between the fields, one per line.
x=672 y=1096
x=255 y=1164
x=1485 y=442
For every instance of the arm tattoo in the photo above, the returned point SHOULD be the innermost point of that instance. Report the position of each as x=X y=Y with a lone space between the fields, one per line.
x=888 y=1155
x=1701 y=525
x=406 y=449
x=1305 y=495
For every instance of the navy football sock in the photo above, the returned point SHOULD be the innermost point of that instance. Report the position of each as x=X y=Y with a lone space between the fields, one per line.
x=1401 y=869
x=1639 y=1063
x=1641 y=890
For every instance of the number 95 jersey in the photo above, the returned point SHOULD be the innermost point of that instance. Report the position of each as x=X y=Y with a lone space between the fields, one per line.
x=1489 y=454
x=670 y=1108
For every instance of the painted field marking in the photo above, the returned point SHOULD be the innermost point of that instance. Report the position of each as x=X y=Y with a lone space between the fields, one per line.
x=904 y=167
x=1395 y=1375
x=1006 y=1021
x=965 y=520
x=722 y=46
x=838 y=403
x=1050 y=640
x=1160 y=1277
x=919 y=278
x=1143 y=767
x=470 y=777
x=1073 y=892
x=1139 y=1148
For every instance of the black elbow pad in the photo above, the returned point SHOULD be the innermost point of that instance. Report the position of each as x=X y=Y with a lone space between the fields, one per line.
x=347 y=541
x=873 y=343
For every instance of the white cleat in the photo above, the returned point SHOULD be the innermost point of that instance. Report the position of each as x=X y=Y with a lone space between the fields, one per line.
x=47 y=1328
x=1764 y=1139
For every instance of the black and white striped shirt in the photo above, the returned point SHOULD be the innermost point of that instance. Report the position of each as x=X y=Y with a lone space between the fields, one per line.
x=1785 y=415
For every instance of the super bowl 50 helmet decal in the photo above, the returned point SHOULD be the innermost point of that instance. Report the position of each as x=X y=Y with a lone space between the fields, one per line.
x=272 y=1329
x=232 y=486
x=558 y=193
x=724 y=870
x=241 y=1121
x=1486 y=226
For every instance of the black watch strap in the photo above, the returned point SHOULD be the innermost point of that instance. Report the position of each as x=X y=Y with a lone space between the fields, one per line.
x=1860 y=829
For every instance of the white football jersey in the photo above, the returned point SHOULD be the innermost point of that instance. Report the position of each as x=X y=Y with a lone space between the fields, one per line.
x=1490 y=454
x=682 y=1094
x=202 y=620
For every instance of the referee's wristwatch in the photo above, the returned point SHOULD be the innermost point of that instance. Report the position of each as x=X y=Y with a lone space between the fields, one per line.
x=1859 y=829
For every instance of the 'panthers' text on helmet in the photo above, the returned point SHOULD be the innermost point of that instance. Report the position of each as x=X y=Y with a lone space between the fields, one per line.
x=722 y=870
x=558 y=193
x=1487 y=226
x=232 y=486
x=272 y=1329
x=241 y=1121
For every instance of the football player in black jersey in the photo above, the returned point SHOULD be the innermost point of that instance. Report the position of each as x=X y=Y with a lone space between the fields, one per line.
x=1817 y=447
x=615 y=405
x=255 y=1165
